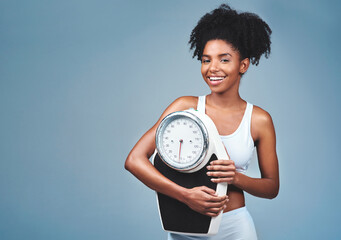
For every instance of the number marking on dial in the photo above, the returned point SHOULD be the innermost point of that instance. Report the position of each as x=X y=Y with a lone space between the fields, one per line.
x=182 y=141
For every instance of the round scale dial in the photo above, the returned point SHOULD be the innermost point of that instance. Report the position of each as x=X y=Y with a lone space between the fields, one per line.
x=181 y=140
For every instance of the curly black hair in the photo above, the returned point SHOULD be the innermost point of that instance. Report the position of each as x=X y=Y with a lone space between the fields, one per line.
x=247 y=33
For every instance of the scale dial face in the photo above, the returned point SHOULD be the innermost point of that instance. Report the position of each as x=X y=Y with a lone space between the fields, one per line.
x=182 y=140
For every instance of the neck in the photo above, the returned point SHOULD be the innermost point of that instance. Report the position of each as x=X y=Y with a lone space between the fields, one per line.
x=226 y=100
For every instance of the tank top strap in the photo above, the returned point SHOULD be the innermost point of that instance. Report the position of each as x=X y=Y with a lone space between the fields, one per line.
x=201 y=104
x=247 y=115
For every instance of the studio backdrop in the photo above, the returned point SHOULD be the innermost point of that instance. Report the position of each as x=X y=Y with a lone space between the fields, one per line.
x=81 y=81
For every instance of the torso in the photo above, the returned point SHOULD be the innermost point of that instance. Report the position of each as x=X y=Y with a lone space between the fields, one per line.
x=227 y=126
x=234 y=129
x=227 y=123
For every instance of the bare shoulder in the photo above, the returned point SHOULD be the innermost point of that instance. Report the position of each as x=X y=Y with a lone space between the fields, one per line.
x=261 y=122
x=180 y=104
x=184 y=102
x=260 y=116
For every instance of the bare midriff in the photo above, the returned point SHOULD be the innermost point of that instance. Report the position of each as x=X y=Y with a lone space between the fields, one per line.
x=236 y=198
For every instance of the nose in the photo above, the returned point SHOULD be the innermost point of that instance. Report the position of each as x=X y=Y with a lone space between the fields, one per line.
x=214 y=66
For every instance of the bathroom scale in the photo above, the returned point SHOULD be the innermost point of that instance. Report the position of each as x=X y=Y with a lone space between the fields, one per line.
x=186 y=142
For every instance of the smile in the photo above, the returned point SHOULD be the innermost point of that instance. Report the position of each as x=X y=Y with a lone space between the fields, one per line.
x=216 y=78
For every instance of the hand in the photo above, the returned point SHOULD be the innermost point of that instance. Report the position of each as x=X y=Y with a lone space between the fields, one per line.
x=205 y=201
x=222 y=171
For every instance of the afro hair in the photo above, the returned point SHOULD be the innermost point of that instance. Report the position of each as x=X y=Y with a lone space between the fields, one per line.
x=247 y=33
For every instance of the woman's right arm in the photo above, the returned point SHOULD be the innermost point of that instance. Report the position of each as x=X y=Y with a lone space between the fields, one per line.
x=201 y=199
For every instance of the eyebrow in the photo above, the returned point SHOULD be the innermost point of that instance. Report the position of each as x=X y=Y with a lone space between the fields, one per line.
x=220 y=55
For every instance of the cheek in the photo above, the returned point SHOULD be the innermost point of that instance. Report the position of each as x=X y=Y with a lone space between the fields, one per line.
x=203 y=71
x=205 y=67
x=232 y=69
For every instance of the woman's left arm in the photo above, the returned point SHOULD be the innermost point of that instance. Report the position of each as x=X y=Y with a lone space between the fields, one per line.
x=265 y=140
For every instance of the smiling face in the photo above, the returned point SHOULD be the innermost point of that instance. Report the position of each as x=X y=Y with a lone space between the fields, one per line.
x=221 y=66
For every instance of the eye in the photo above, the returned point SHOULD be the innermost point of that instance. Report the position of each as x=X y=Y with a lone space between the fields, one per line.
x=224 y=60
x=205 y=61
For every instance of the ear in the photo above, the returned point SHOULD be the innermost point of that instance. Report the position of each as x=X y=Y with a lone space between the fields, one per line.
x=244 y=65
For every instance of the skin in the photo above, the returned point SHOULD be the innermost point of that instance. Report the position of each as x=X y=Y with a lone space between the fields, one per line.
x=226 y=108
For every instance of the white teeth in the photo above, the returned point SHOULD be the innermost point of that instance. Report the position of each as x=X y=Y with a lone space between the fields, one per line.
x=216 y=78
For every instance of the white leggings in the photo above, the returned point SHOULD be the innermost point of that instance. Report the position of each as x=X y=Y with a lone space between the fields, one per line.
x=235 y=225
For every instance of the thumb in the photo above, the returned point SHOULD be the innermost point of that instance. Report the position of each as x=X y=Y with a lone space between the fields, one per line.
x=208 y=190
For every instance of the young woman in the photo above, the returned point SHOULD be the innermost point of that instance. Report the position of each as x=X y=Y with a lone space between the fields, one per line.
x=225 y=42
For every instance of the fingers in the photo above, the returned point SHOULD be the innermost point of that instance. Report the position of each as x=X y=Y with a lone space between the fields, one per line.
x=214 y=209
x=222 y=162
x=221 y=168
x=213 y=212
x=221 y=204
x=205 y=201
x=222 y=171
x=219 y=177
x=216 y=199
x=230 y=167
x=212 y=199
x=221 y=174
x=208 y=190
x=220 y=180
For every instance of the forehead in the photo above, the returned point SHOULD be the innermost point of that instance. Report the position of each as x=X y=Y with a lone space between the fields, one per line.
x=218 y=46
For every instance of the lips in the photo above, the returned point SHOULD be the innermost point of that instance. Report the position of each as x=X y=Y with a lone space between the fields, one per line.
x=216 y=80
x=220 y=78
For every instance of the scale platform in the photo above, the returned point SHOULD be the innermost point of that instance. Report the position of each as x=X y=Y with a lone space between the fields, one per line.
x=178 y=136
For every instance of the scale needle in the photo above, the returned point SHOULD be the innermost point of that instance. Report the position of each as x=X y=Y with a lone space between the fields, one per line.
x=181 y=141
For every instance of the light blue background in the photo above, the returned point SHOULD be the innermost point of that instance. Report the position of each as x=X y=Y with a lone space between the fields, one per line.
x=81 y=81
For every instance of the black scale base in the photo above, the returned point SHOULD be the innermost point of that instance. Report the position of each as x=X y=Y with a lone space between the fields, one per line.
x=177 y=216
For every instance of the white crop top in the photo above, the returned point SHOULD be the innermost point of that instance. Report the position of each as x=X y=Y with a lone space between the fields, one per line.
x=239 y=145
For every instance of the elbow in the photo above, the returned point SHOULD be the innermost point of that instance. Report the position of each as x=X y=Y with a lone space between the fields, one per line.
x=128 y=165
x=135 y=163
x=274 y=193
